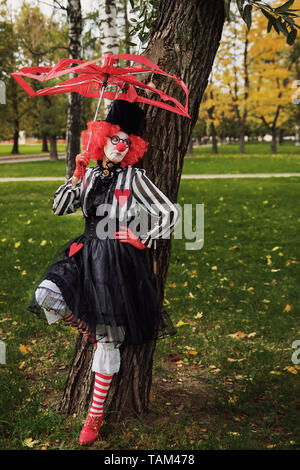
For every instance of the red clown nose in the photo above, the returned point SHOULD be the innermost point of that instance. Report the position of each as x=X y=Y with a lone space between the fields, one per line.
x=121 y=147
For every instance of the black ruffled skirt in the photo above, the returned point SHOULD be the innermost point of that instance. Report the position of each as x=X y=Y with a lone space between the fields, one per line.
x=107 y=285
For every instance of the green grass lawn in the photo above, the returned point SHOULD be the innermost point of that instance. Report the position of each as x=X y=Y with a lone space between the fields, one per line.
x=202 y=163
x=26 y=149
x=225 y=381
x=227 y=161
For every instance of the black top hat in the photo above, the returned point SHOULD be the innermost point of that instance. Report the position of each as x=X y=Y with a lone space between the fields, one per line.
x=126 y=115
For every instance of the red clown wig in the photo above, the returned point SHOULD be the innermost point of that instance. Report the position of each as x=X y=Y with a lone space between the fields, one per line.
x=101 y=130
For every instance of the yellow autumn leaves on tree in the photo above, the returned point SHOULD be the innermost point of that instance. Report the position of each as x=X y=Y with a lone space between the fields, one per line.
x=252 y=78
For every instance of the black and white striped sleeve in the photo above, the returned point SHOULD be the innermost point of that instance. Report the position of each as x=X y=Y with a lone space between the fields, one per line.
x=67 y=198
x=156 y=204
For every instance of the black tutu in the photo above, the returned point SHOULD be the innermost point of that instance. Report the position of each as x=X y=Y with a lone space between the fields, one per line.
x=108 y=285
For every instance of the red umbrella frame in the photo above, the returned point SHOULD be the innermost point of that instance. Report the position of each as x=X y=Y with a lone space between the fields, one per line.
x=92 y=77
x=92 y=81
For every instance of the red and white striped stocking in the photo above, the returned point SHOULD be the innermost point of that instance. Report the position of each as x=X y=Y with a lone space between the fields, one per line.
x=82 y=326
x=101 y=387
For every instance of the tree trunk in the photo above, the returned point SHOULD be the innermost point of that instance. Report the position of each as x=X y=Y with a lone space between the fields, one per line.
x=53 y=148
x=108 y=33
x=184 y=43
x=274 y=141
x=280 y=136
x=214 y=138
x=242 y=137
x=15 y=149
x=190 y=148
x=126 y=29
x=78 y=391
x=45 y=144
x=75 y=100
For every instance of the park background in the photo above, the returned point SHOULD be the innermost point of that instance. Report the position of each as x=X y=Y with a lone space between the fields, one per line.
x=229 y=379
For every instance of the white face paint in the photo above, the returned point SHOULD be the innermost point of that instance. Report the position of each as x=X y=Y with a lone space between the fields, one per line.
x=112 y=152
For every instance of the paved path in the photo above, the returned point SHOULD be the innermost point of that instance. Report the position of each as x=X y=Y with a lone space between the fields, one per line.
x=28 y=158
x=245 y=175
x=39 y=157
x=241 y=175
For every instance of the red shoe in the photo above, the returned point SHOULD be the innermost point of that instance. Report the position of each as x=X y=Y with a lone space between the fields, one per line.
x=90 y=430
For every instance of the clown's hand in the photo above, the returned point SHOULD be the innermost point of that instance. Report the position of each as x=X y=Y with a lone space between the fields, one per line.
x=125 y=235
x=82 y=160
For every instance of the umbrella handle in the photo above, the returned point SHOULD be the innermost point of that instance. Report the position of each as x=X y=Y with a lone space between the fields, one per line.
x=104 y=85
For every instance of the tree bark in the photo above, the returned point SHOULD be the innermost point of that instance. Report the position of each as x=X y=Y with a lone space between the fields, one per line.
x=184 y=43
x=108 y=33
x=75 y=100
x=214 y=138
x=53 y=148
x=246 y=93
x=15 y=149
x=190 y=148
x=274 y=141
x=45 y=144
x=242 y=137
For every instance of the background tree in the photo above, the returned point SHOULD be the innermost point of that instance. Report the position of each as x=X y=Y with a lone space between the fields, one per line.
x=74 y=99
x=200 y=130
x=43 y=42
x=215 y=107
x=232 y=75
x=270 y=79
x=18 y=104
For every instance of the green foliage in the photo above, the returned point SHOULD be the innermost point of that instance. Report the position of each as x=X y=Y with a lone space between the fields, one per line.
x=18 y=104
x=282 y=18
x=142 y=23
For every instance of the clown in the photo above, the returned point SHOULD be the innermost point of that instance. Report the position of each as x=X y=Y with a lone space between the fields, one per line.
x=100 y=282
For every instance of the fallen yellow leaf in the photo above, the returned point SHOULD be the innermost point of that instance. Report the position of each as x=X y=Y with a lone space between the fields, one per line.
x=232 y=399
x=29 y=442
x=241 y=334
x=199 y=315
x=24 y=349
x=292 y=369
x=192 y=353
x=180 y=323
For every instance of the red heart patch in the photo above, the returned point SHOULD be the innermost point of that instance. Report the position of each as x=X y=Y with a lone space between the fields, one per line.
x=74 y=248
x=122 y=196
